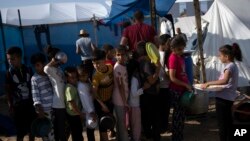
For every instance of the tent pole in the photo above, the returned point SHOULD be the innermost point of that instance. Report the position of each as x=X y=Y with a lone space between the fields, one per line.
x=3 y=39
x=22 y=37
x=95 y=31
x=199 y=38
x=153 y=14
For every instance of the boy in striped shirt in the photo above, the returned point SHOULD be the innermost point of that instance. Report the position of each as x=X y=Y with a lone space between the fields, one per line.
x=42 y=91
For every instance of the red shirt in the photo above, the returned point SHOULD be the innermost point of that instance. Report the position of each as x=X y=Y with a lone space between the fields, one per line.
x=138 y=32
x=177 y=63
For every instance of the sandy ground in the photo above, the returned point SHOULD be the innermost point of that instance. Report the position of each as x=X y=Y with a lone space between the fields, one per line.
x=201 y=127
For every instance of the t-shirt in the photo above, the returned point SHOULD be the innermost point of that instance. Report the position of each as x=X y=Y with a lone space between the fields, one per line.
x=19 y=82
x=85 y=97
x=177 y=63
x=57 y=80
x=135 y=92
x=120 y=77
x=42 y=91
x=229 y=92
x=85 y=45
x=104 y=82
x=138 y=32
x=71 y=95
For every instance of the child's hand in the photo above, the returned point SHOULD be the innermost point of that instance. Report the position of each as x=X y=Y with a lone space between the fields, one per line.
x=204 y=86
x=189 y=88
x=105 y=109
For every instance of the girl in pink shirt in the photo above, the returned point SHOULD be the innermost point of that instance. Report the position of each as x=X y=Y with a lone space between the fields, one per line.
x=178 y=85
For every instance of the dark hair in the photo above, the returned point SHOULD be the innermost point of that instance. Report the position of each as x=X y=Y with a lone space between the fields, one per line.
x=69 y=70
x=99 y=55
x=120 y=48
x=37 y=57
x=14 y=50
x=138 y=15
x=233 y=51
x=141 y=49
x=132 y=67
x=107 y=47
x=82 y=69
x=177 y=41
x=164 y=38
x=51 y=52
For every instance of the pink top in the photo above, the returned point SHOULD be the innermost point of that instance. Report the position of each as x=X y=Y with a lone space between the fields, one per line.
x=177 y=63
x=120 y=77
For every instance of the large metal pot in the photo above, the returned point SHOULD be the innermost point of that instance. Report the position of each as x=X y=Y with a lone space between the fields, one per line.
x=199 y=103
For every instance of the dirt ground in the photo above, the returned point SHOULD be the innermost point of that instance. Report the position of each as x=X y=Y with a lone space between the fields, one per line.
x=197 y=127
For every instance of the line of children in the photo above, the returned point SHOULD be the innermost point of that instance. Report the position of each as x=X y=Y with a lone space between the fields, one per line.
x=133 y=89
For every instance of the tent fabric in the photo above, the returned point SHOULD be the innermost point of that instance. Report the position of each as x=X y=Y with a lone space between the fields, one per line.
x=53 y=13
x=228 y=23
x=122 y=8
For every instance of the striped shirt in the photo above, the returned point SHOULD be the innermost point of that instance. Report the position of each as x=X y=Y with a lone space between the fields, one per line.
x=42 y=91
x=104 y=82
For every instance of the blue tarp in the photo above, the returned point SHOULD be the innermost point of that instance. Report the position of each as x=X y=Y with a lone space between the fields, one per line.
x=124 y=8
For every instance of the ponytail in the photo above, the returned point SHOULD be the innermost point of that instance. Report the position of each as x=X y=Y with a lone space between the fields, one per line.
x=237 y=52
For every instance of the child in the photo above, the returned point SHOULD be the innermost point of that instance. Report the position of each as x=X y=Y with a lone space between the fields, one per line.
x=149 y=73
x=226 y=97
x=18 y=88
x=178 y=85
x=73 y=104
x=120 y=93
x=102 y=89
x=56 y=76
x=109 y=51
x=84 y=91
x=164 y=94
x=134 y=100
x=42 y=91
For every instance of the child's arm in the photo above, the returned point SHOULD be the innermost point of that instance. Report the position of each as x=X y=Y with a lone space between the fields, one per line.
x=154 y=77
x=9 y=91
x=119 y=80
x=75 y=108
x=135 y=91
x=219 y=82
x=36 y=98
x=177 y=81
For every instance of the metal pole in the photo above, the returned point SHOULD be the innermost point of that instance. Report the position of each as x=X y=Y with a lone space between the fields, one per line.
x=22 y=37
x=3 y=39
x=199 y=38
x=95 y=31
x=153 y=14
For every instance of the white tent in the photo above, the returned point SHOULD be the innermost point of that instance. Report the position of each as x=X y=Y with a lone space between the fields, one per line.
x=229 y=22
x=53 y=11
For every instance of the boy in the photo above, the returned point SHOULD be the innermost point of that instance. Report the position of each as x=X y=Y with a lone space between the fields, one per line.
x=56 y=76
x=42 y=91
x=19 y=93
x=102 y=89
x=73 y=105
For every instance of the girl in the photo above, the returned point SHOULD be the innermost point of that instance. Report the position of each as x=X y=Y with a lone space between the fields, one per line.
x=178 y=85
x=226 y=97
x=134 y=100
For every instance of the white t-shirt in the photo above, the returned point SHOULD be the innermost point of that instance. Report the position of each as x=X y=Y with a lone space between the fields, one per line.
x=120 y=77
x=84 y=43
x=164 y=81
x=57 y=80
x=85 y=97
x=135 y=92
